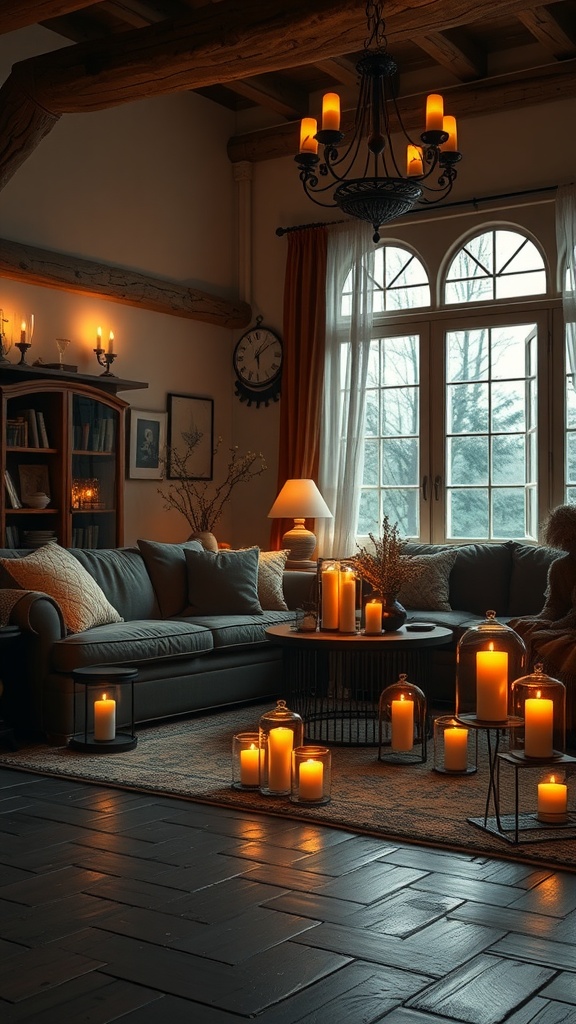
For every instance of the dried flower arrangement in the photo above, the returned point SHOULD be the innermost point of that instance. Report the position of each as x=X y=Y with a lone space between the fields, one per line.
x=202 y=502
x=385 y=568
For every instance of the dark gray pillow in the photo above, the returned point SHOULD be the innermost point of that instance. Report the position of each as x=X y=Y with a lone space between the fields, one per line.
x=223 y=583
x=166 y=567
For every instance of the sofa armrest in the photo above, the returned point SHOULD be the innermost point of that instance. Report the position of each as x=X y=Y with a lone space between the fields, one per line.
x=41 y=623
x=299 y=588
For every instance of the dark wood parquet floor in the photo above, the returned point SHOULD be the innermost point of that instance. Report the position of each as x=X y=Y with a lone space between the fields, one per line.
x=117 y=906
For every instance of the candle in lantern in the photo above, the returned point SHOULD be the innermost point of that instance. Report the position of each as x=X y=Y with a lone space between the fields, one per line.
x=347 y=603
x=311 y=780
x=104 y=719
x=111 y=343
x=330 y=587
x=492 y=685
x=538 y=726
x=402 y=724
x=413 y=160
x=434 y=113
x=331 y=111
x=552 y=800
x=250 y=765
x=308 y=129
x=23 y=333
x=455 y=749
x=280 y=743
x=373 y=617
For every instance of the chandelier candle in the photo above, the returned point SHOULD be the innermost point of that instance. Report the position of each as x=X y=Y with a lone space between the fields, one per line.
x=434 y=113
x=402 y=724
x=280 y=743
x=492 y=685
x=104 y=719
x=308 y=141
x=538 y=726
x=331 y=112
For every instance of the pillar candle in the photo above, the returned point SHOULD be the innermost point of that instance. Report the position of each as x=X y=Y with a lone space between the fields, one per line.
x=111 y=343
x=330 y=580
x=373 y=617
x=280 y=743
x=99 y=338
x=308 y=129
x=347 y=603
x=104 y=719
x=552 y=798
x=414 y=160
x=455 y=749
x=492 y=685
x=538 y=726
x=250 y=765
x=311 y=780
x=402 y=724
x=23 y=332
x=449 y=125
x=331 y=111
x=434 y=113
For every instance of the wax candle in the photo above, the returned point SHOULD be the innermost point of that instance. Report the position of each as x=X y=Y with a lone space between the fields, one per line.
x=455 y=749
x=402 y=724
x=373 y=617
x=434 y=113
x=449 y=125
x=104 y=719
x=250 y=765
x=99 y=338
x=330 y=587
x=308 y=129
x=492 y=685
x=280 y=743
x=552 y=800
x=347 y=603
x=538 y=726
x=311 y=780
x=23 y=332
x=111 y=343
x=413 y=160
x=331 y=111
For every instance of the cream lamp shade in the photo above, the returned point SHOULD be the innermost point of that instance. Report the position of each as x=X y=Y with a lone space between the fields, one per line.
x=299 y=500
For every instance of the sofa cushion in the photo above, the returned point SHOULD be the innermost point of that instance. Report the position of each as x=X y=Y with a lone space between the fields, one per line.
x=56 y=572
x=223 y=582
x=166 y=566
x=121 y=573
x=529 y=578
x=131 y=643
x=270 y=576
x=240 y=630
x=430 y=587
x=480 y=578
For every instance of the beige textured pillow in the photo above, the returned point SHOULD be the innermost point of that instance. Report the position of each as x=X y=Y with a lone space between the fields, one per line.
x=430 y=588
x=54 y=571
x=270 y=571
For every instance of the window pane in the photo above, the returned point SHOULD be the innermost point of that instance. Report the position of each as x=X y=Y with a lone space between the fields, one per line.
x=509 y=406
x=368 y=516
x=371 y=459
x=469 y=291
x=467 y=460
x=400 y=412
x=514 y=285
x=467 y=356
x=372 y=421
x=508 y=513
x=467 y=514
x=467 y=409
x=401 y=506
x=400 y=361
x=508 y=460
x=400 y=462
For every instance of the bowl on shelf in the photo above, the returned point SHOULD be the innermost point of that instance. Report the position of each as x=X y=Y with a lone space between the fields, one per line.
x=37 y=500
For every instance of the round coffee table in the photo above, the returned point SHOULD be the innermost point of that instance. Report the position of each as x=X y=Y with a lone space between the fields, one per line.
x=334 y=680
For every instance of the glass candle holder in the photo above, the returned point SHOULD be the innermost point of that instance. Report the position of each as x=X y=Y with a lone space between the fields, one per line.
x=541 y=701
x=311 y=775
x=329 y=595
x=348 y=599
x=488 y=657
x=246 y=758
x=455 y=747
x=280 y=731
x=402 y=727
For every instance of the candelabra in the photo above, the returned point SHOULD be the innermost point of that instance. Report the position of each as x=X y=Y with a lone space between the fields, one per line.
x=105 y=359
x=23 y=346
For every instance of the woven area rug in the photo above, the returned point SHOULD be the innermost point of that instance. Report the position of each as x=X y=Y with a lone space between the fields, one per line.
x=191 y=759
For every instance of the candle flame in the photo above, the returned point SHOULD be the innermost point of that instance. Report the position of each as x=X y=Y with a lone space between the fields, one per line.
x=104 y=696
x=538 y=693
x=491 y=645
x=252 y=746
x=552 y=778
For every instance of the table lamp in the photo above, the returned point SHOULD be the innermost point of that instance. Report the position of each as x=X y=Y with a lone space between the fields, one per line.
x=299 y=500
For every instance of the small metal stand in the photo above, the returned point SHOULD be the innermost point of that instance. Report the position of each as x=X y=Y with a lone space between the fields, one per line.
x=103 y=676
x=512 y=722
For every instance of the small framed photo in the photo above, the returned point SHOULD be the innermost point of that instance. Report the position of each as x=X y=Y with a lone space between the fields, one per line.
x=33 y=480
x=147 y=445
x=190 y=437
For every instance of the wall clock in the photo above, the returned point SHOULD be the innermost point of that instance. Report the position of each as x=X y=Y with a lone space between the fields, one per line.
x=257 y=362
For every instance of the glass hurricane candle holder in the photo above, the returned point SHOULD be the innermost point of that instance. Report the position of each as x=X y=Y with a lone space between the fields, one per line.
x=348 y=599
x=455 y=747
x=541 y=701
x=311 y=775
x=246 y=757
x=488 y=657
x=402 y=727
x=280 y=731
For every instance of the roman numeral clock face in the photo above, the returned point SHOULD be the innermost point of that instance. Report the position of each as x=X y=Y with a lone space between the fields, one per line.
x=257 y=364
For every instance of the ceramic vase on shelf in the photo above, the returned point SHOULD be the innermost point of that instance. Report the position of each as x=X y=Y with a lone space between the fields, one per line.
x=393 y=613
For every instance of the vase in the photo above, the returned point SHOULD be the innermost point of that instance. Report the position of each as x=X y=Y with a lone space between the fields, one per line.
x=206 y=539
x=393 y=613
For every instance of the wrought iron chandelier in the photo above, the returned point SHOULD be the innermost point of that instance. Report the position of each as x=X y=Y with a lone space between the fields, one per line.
x=381 y=192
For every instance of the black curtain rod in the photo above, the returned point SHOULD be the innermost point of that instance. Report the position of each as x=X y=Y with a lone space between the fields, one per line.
x=445 y=206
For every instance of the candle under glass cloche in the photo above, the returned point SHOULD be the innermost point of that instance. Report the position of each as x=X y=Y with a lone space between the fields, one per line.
x=489 y=656
x=311 y=775
x=541 y=701
x=402 y=725
x=280 y=732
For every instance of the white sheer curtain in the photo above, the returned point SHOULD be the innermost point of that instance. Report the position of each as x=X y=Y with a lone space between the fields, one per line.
x=566 y=241
x=350 y=249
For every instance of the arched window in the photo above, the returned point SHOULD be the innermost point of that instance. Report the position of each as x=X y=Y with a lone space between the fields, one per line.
x=497 y=264
x=400 y=282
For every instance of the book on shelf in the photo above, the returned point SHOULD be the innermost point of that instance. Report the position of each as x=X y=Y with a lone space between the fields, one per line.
x=17 y=432
x=43 y=433
x=33 y=436
x=11 y=491
x=12 y=537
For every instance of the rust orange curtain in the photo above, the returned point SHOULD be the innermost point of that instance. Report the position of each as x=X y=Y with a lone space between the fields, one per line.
x=304 y=339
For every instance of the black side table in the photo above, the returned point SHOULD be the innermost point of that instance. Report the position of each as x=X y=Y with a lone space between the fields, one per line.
x=8 y=635
x=106 y=678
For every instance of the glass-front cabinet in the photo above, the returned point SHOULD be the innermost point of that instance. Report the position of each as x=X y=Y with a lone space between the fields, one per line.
x=62 y=465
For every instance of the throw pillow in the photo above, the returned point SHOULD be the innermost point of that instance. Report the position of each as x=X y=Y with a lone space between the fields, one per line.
x=166 y=567
x=223 y=582
x=54 y=571
x=271 y=566
x=429 y=590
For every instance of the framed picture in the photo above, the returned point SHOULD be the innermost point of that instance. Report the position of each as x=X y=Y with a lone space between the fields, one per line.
x=147 y=444
x=33 y=479
x=190 y=437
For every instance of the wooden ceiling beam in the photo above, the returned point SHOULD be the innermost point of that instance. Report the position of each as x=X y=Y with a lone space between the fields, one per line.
x=463 y=61
x=22 y=13
x=503 y=92
x=547 y=30
x=342 y=70
x=286 y=100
